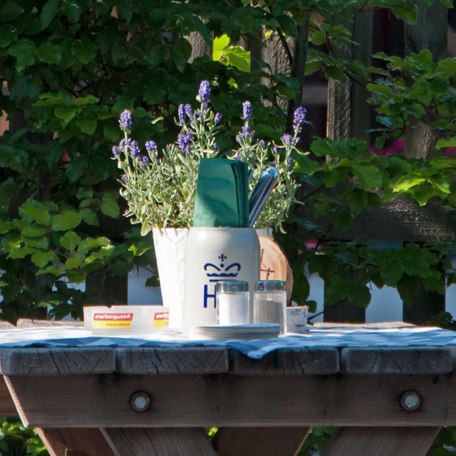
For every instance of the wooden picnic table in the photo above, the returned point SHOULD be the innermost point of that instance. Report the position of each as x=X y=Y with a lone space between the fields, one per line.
x=106 y=401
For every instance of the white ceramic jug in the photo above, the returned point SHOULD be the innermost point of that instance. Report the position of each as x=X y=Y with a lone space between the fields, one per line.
x=214 y=254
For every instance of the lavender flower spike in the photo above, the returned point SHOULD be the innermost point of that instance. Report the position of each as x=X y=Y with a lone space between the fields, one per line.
x=135 y=151
x=125 y=120
x=204 y=91
x=246 y=110
x=299 y=117
x=181 y=114
x=287 y=139
x=151 y=146
x=184 y=140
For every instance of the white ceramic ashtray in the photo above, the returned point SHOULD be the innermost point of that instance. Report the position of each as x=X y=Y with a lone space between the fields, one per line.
x=125 y=320
x=252 y=331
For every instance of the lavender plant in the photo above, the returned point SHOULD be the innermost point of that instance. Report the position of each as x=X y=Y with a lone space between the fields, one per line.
x=160 y=186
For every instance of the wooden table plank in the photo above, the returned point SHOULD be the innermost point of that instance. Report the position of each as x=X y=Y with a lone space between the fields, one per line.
x=7 y=407
x=169 y=361
x=391 y=360
x=256 y=441
x=314 y=361
x=226 y=400
x=159 y=442
x=403 y=441
x=75 y=442
x=57 y=361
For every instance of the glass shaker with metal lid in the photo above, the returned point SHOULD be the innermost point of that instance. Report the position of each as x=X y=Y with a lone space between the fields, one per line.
x=233 y=302
x=270 y=303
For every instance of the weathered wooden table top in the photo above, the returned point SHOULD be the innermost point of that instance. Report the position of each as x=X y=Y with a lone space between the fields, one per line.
x=386 y=400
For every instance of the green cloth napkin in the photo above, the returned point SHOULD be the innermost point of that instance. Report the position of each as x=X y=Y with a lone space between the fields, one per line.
x=222 y=193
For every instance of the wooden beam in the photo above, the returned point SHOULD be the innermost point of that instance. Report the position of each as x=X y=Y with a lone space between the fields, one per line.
x=381 y=441
x=383 y=360
x=252 y=441
x=227 y=400
x=159 y=442
x=75 y=442
x=169 y=361
x=314 y=361
x=57 y=361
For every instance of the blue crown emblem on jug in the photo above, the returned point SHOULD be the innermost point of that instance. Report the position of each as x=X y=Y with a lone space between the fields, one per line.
x=217 y=272
x=221 y=271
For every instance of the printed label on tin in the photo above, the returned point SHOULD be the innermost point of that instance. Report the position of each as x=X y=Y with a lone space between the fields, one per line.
x=160 y=320
x=112 y=320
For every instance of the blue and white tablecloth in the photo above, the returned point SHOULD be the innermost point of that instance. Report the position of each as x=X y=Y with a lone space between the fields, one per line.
x=335 y=337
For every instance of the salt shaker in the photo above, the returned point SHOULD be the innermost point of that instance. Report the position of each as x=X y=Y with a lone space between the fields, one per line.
x=233 y=302
x=270 y=303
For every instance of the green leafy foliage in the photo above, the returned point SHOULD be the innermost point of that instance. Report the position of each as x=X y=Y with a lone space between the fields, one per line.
x=17 y=440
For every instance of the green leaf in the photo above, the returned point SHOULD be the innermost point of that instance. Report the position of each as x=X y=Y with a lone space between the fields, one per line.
x=71 y=10
x=342 y=219
x=111 y=132
x=88 y=125
x=391 y=273
x=407 y=182
x=48 y=12
x=88 y=244
x=359 y=295
x=89 y=216
x=65 y=113
x=70 y=240
x=24 y=52
x=442 y=183
x=84 y=50
x=380 y=89
x=239 y=58
x=442 y=143
x=18 y=254
x=74 y=261
x=422 y=193
x=318 y=37
x=36 y=211
x=88 y=100
x=4 y=227
x=41 y=243
x=34 y=231
x=335 y=176
x=65 y=221
x=357 y=200
x=109 y=205
x=219 y=45
x=49 y=53
x=368 y=175
x=235 y=56
x=41 y=259
x=10 y=10
x=76 y=276
x=8 y=34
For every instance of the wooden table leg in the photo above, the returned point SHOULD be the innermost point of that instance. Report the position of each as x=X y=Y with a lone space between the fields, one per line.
x=381 y=441
x=253 y=441
x=75 y=442
x=158 y=442
x=7 y=407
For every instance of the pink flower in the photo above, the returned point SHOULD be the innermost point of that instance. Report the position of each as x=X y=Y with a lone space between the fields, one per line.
x=395 y=148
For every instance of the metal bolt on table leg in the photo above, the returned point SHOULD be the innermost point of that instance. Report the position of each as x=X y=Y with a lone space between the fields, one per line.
x=140 y=401
x=410 y=401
